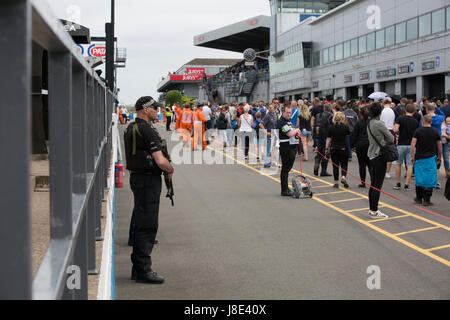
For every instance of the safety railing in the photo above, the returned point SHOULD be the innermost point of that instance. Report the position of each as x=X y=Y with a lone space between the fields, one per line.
x=80 y=114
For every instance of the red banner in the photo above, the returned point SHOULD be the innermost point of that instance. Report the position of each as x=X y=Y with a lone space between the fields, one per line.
x=181 y=77
x=195 y=71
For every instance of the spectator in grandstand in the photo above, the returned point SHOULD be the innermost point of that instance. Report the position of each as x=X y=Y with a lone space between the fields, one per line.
x=336 y=146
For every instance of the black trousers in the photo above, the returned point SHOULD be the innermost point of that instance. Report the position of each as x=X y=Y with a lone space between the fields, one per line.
x=144 y=221
x=424 y=194
x=363 y=161
x=287 y=154
x=377 y=171
x=339 y=157
x=319 y=160
x=168 y=122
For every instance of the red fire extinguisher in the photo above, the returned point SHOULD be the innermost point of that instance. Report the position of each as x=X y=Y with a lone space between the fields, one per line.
x=119 y=175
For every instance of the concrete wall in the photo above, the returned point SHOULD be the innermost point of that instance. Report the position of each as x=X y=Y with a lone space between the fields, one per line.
x=351 y=22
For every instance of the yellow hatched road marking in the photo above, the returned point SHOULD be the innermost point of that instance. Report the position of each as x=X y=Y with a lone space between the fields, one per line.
x=368 y=224
x=346 y=200
x=320 y=187
x=439 y=248
x=417 y=230
x=391 y=218
x=327 y=193
x=383 y=204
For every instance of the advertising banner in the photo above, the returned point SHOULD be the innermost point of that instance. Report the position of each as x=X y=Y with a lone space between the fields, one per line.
x=195 y=71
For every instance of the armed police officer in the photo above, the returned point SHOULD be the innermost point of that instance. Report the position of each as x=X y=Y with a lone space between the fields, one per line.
x=147 y=158
x=289 y=148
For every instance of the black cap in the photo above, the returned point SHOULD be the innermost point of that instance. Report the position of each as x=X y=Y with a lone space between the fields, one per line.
x=146 y=102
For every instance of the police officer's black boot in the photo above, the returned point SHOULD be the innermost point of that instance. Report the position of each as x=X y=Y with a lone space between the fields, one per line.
x=287 y=193
x=150 y=278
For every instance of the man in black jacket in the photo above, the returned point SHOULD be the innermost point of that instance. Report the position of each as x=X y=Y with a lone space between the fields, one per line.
x=321 y=125
x=146 y=160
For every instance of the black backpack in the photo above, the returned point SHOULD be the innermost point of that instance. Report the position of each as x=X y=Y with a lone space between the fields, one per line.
x=322 y=125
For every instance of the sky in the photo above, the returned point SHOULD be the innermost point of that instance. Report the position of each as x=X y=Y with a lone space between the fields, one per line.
x=158 y=34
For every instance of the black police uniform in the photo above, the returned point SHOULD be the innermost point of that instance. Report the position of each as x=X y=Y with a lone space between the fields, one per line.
x=146 y=184
x=289 y=148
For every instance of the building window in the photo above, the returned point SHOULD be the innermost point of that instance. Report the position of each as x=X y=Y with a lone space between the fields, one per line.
x=347 y=52
x=325 y=56
x=400 y=32
x=331 y=54
x=316 y=59
x=438 y=21
x=354 y=47
x=370 y=42
x=339 y=51
x=412 y=29
x=425 y=25
x=362 y=44
x=380 y=39
x=390 y=36
x=448 y=18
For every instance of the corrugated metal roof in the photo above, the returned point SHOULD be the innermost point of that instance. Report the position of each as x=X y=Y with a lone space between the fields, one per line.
x=212 y=62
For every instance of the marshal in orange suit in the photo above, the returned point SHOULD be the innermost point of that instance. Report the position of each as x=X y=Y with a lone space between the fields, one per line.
x=187 y=120
x=199 y=128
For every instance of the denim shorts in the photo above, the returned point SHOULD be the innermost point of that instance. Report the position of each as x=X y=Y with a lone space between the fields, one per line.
x=404 y=153
x=306 y=134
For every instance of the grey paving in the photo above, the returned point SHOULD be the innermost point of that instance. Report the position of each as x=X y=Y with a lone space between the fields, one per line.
x=231 y=236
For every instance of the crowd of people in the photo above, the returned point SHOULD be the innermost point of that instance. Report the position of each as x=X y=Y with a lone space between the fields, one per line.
x=338 y=130
x=236 y=72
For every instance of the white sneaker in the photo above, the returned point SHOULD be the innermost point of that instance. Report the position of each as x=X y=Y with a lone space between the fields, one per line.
x=388 y=175
x=378 y=215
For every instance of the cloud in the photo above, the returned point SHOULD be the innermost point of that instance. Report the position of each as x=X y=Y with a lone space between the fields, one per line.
x=159 y=34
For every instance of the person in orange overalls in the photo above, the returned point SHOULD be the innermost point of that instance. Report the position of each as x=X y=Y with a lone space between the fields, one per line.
x=199 y=128
x=187 y=119
x=179 y=113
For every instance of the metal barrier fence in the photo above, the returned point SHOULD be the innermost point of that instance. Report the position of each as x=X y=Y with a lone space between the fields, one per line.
x=80 y=115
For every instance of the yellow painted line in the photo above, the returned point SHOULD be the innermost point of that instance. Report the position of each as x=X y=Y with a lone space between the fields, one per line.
x=439 y=248
x=366 y=223
x=357 y=210
x=387 y=234
x=417 y=230
x=327 y=193
x=391 y=218
x=320 y=187
x=345 y=200
x=382 y=204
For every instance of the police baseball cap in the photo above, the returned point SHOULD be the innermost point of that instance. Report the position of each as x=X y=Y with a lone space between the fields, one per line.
x=147 y=102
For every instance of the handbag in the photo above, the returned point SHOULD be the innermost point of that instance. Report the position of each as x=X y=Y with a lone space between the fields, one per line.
x=389 y=152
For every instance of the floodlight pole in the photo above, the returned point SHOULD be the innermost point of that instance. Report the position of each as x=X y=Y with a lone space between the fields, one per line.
x=110 y=50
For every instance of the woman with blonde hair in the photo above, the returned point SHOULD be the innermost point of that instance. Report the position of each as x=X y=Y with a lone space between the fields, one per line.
x=245 y=123
x=337 y=147
x=304 y=124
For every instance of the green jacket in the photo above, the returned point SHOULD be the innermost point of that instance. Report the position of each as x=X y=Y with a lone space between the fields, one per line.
x=384 y=137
